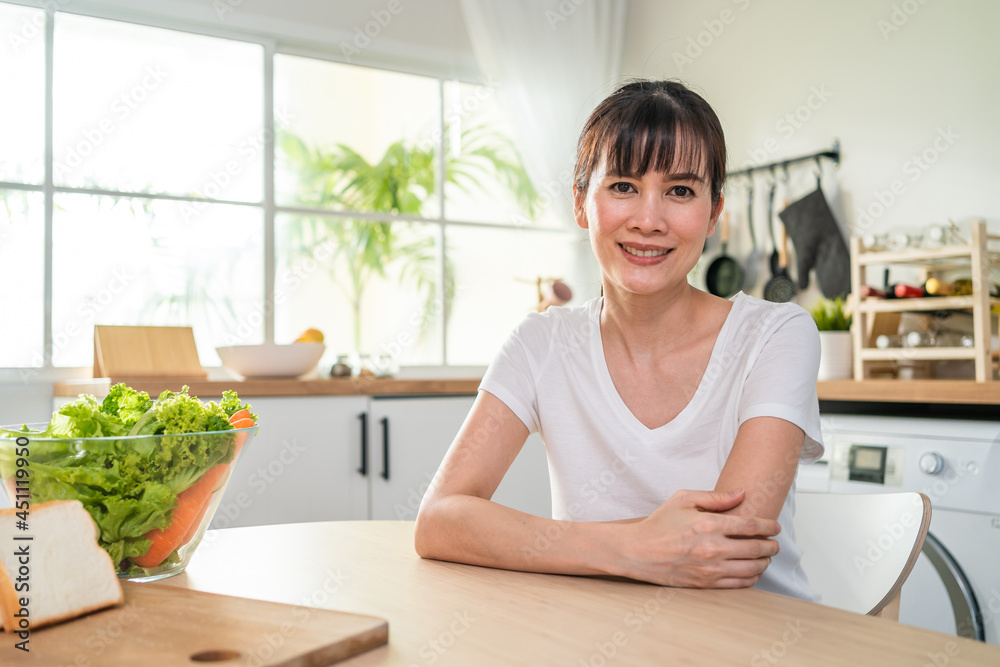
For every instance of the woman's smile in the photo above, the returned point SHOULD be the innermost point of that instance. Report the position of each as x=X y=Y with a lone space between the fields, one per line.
x=643 y=254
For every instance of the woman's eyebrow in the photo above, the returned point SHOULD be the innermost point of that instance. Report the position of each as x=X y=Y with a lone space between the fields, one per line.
x=684 y=176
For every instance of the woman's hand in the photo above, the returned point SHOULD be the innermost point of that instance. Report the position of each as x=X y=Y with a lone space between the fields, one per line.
x=686 y=542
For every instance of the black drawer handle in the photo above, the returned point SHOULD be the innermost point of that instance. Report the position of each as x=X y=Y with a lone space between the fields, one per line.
x=364 y=444
x=385 y=448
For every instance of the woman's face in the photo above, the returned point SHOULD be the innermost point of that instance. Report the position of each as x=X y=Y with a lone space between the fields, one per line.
x=647 y=232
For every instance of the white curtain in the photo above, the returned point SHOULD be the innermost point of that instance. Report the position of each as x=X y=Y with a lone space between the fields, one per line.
x=552 y=62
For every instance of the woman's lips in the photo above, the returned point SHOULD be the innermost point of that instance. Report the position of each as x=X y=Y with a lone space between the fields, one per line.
x=643 y=254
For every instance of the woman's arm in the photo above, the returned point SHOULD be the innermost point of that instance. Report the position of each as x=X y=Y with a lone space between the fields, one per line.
x=762 y=462
x=685 y=542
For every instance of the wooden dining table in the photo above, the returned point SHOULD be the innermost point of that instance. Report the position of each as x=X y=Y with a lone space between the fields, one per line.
x=442 y=613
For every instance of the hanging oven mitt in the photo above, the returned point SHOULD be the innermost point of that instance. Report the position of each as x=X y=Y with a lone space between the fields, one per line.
x=818 y=244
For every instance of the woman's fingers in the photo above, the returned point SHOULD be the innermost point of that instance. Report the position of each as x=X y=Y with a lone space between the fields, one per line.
x=710 y=501
x=687 y=542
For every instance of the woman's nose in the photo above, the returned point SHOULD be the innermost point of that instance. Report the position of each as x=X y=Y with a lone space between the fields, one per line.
x=649 y=216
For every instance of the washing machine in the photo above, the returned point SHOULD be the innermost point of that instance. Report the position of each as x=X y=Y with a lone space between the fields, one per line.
x=955 y=585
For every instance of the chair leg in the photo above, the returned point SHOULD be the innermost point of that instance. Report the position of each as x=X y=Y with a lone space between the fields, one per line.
x=891 y=610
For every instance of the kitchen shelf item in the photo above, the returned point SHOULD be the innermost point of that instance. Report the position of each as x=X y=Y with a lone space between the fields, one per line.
x=271 y=360
x=975 y=257
x=169 y=625
x=134 y=351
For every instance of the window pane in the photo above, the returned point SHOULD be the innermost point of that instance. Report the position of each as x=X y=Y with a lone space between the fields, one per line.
x=327 y=265
x=21 y=278
x=140 y=262
x=22 y=115
x=343 y=122
x=495 y=285
x=148 y=110
x=486 y=178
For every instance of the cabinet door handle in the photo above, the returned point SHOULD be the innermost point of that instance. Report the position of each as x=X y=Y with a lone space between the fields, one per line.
x=364 y=444
x=385 y=448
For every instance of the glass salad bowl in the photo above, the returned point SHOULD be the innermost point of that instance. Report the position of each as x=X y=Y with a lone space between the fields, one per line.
x=152 y=496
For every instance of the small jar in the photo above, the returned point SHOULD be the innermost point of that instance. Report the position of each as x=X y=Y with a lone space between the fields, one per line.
x=341 y=369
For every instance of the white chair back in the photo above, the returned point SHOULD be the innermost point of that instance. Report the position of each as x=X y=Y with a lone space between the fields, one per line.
x=858 y=549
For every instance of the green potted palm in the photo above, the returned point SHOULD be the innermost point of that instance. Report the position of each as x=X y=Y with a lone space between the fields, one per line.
x=402 y=181
x=833 y=319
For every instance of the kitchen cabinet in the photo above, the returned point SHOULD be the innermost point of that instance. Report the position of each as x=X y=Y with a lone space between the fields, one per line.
x=328 y=458
x=301 y=466
x=408 y=438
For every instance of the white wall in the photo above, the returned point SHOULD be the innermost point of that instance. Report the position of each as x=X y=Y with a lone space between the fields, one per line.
x=892 y=85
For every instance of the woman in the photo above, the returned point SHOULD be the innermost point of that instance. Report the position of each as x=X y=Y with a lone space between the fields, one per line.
x=654 y=388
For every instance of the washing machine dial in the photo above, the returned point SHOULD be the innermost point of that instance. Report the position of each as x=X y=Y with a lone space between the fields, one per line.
x=932 y=463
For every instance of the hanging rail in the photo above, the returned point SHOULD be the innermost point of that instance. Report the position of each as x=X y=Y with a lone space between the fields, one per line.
x=833 y=154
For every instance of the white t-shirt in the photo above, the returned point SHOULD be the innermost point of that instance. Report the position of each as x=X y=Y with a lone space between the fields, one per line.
x=604 y=464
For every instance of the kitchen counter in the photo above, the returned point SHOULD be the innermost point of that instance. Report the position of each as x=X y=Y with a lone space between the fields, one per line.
x=452 y=614
x=213 y=388
x=932 y=399
x=833 y=392
x=964 y=392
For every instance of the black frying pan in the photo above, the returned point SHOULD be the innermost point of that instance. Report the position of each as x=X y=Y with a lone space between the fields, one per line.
x=780 y=288
x=725 y=275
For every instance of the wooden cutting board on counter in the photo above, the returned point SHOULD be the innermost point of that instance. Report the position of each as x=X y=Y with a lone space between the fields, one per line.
x=166 y=625
x=135 y=352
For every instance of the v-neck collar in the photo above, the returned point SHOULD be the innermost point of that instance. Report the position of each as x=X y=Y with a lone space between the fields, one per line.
x=705 y=384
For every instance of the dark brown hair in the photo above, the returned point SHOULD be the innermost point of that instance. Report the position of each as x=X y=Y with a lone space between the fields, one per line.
x=638 y=127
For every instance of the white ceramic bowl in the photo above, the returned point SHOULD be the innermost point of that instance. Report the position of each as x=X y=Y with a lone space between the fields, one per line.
x=271 y=360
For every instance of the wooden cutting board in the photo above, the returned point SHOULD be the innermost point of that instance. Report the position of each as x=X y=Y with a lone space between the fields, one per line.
x=166 y=625
x=133 y=352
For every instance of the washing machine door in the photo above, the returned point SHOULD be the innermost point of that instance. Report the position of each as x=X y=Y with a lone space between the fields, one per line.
x=953 y=588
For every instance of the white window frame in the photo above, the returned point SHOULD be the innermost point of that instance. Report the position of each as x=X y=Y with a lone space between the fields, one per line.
x=268 y=205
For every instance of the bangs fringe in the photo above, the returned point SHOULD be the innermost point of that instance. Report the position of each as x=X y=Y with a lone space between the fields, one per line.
x=647 y=126
x=651 y=136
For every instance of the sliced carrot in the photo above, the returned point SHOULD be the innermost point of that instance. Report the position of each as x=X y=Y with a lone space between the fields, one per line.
x=241 y=437
x=188 y=511
x=197 y=522
x=192 y=505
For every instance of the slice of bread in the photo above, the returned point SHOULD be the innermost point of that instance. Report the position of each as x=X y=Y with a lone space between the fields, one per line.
x=68 y=573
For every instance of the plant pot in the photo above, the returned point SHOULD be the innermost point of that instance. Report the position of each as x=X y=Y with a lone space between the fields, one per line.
x=836 y=355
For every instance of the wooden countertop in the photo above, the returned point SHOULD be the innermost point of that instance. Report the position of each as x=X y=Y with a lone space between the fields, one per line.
x=209 y=389
x=965 y=392
x=450 y=614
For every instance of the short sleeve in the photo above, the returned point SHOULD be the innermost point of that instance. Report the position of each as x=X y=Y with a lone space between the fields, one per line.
x=510 y=377
x=782 y=381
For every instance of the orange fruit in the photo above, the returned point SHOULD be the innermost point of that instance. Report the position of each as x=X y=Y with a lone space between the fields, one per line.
x=310 y=336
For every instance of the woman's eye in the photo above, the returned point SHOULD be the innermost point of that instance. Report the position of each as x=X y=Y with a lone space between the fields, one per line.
x=621 y=188
x=683 y=191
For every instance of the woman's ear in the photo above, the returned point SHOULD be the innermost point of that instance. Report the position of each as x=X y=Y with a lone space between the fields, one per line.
x=716 y=212
x=580 y=208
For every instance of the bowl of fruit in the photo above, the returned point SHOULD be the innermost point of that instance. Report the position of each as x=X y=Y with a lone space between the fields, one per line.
x=150 y=473
x=271 y=360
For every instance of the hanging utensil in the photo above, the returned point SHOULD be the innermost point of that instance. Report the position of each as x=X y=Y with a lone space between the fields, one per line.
x=780 y=288
x=775 y=252
x=751 y=268
x=725 y=276
x=770 y=216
